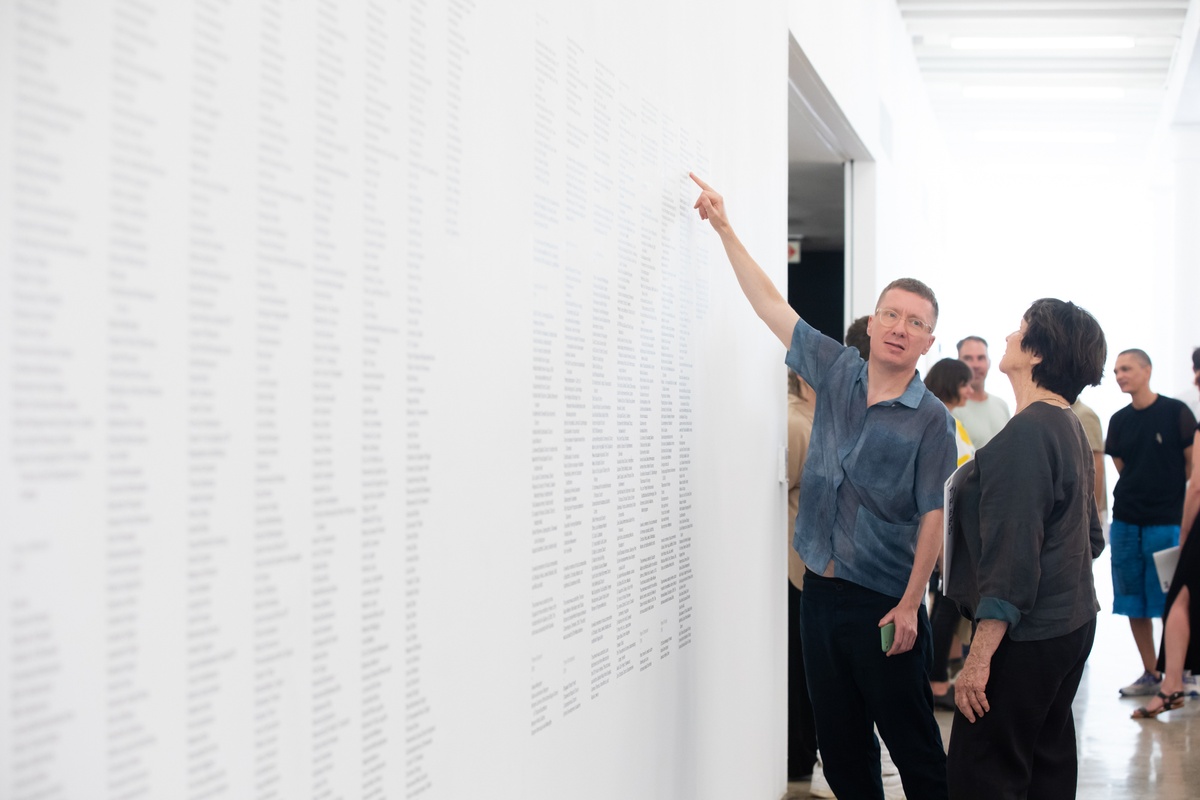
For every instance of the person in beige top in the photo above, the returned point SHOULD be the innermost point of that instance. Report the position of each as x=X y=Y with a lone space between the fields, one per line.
x=800 y=422
x=1095 y=436
x=802 y=729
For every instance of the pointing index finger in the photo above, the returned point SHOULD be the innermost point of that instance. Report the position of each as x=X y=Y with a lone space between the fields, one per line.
x=699 y=182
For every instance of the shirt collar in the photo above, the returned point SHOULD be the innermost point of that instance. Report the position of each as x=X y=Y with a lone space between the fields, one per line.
x=912 y=393
x=915 y=391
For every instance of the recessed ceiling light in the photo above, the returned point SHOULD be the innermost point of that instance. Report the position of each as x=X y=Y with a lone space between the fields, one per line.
x=1042 y=42
x=1045 y=137
x=1043 y=92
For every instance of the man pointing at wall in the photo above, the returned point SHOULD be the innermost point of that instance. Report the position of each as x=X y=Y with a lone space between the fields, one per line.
x=869 y=527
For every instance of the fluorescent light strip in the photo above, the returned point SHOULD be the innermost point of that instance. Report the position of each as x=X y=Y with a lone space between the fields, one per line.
x=1042 y=43
x=1045 y=137
x=1043 y=92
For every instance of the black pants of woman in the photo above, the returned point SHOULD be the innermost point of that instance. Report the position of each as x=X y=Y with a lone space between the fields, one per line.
x=1025 y=746
x=944 y=617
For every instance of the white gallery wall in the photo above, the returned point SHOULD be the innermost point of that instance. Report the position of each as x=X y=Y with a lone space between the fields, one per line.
x=380 y=420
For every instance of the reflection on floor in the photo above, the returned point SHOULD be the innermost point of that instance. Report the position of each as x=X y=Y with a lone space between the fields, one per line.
x=1119 y=758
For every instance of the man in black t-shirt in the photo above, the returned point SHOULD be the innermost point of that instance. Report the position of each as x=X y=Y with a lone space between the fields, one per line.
x=1150 y=443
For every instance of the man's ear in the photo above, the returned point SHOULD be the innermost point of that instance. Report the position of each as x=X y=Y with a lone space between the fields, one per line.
x=929 y=344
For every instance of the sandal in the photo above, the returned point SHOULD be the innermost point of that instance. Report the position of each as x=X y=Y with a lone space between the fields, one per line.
x=1170 y=702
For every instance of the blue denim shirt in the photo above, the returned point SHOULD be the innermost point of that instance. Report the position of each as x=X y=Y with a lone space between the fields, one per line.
x=871 y=472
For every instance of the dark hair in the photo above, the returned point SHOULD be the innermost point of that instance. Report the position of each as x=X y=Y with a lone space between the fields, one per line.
x=916 y=287
x=1196 y=359
x=856 y=336
x=946 y=379
x=1070 y=343
x=966 y=339
x=1140 y=355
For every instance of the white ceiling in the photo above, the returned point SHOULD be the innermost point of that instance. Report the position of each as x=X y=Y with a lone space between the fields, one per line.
x=1059 y=80
x=1051 y=78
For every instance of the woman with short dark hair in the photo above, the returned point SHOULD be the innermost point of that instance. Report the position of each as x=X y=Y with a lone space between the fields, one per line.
x=1025 y=534
x=946 y=379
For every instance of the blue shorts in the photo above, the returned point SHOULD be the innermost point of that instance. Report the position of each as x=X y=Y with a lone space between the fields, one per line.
x=1136 y=590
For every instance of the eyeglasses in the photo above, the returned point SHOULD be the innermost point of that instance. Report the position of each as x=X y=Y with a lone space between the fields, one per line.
x=890 y=318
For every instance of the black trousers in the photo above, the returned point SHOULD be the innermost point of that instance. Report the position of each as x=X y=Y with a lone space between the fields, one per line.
x=1025 y=746
x=855 y=687
x=802 y=729
x=943 y=618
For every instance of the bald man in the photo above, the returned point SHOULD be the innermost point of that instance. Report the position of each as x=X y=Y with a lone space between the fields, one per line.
x=1150 y=442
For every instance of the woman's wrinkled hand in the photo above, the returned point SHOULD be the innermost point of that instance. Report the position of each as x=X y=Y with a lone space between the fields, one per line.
x=969 y=694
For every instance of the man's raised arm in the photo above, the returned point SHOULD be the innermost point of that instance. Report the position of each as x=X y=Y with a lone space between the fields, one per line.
x=766 y=300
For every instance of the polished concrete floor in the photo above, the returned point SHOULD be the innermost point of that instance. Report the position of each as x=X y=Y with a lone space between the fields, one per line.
x=1119 y=758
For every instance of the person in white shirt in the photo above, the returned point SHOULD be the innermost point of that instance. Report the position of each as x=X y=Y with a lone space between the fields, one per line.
x=984 y=414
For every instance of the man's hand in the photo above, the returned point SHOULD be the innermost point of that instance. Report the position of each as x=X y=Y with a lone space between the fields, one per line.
x=711 y=205
x=969 y=694
x=766 y=300
x=906 y=629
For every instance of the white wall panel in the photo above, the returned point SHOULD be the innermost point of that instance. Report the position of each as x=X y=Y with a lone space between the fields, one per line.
x=380 y=420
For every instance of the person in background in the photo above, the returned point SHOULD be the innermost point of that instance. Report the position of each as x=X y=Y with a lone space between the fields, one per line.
x=1195 y=404
x=1180 y=646
x=1025 y=534
x=869 y=527
x=1149 y=441
x=950 y=382
x=983 y=415
x=802 y=730
x=856 y=337
x=1095 y=434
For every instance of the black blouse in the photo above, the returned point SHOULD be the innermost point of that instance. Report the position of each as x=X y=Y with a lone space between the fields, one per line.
x=1026 y=528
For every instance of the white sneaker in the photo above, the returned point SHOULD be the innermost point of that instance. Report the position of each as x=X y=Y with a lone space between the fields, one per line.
x=1146 y=685
x=1190 y=687
x=893 y=788
x=819 y=786
x=886 y=765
